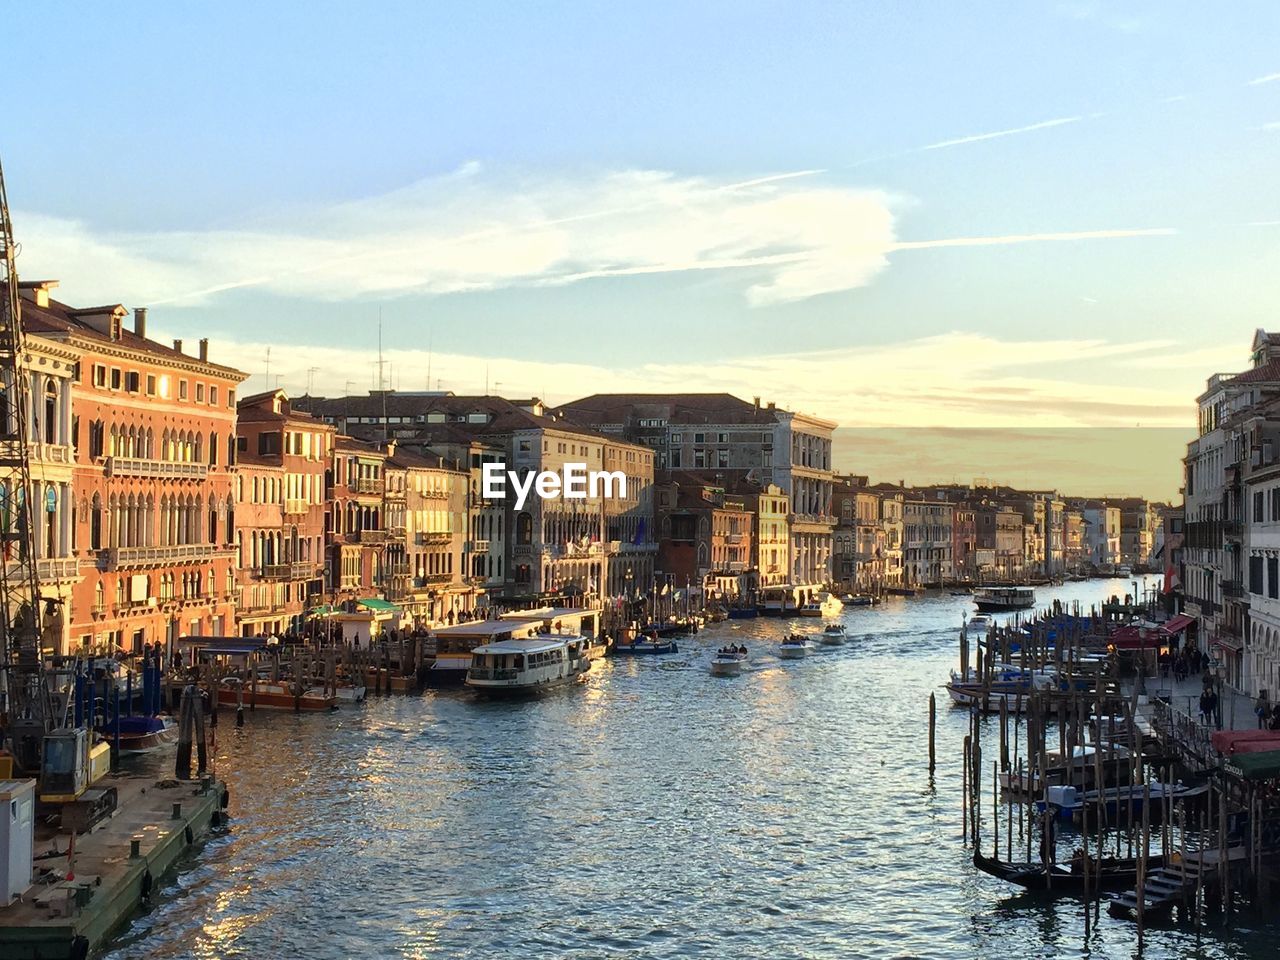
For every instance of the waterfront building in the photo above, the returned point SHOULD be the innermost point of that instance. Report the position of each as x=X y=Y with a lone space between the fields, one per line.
x=927 y=543
x=771 y=540
x=153 y=432
x=1101 y=535
x=282 y=456
x=704 y=538
x=584 y=547
x=964 y=542
x=1137 y=531
x=427 y=527
x=357 y=536
x=1074 y=550
x=718 y=431
x=49 y=370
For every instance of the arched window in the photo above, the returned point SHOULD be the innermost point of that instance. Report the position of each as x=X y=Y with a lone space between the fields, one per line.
x=524 y=528
x=99 y=597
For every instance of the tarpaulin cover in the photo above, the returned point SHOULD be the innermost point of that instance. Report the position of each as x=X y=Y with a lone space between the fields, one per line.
x=1241 y=741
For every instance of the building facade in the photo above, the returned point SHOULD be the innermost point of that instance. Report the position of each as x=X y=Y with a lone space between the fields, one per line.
x=153 y=431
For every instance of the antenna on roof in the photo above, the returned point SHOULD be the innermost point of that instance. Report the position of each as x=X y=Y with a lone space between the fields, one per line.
x=429 y=333
x=311 y=378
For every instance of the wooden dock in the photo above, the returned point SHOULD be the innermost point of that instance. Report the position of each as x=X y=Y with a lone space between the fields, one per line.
x=68 y=919
x=1175 y=884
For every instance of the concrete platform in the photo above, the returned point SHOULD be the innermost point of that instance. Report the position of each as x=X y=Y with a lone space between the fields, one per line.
x=59 y=918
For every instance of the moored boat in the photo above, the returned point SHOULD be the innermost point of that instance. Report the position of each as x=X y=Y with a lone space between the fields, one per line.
x=144 y=734
x=857 y=600
x=531 y=665
x=275 y=696
x=795 y=647
x=1069 y=877
x=646 y=646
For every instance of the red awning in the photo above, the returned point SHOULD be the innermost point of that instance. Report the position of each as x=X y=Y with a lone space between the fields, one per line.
x=1229 y=742
x=1179 y=623
x=1228 y=642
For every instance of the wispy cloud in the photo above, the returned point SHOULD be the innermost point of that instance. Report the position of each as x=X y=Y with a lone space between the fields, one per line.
x=790 y=236
x=1273 y=125
x=993 y=135
x=1258 y=81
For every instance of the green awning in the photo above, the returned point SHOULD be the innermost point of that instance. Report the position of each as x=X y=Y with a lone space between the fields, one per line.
x=373 y=603
x=322 y=611
x=1254 y=766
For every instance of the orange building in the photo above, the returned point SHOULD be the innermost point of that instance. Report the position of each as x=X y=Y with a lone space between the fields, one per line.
x=280 y=517
x=153 y=512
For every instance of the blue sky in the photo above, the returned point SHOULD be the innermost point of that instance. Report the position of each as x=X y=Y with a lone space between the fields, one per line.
x=762 y=197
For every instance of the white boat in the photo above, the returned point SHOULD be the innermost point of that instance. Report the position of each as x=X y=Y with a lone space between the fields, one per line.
x=810 y=609
x=350 y=692
x=830 y=605
x=509 y=667
x=728 y=663
x=795 y=647
x=833 y=635
x=997 y=599
x=978 y=625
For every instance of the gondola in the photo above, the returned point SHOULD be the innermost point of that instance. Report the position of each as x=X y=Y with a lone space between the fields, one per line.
x=1106 y=874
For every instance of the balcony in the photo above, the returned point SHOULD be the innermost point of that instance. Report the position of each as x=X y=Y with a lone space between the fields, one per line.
x=124 y=558
x=289 y=571
x=367 y=485
x=139 y=467
x=41 y=452
x=397 y=569
x=296 y=505
x=432 y=539
x=57 y=568
x=1231 y=529
x=368 y=536
x=1233 y=589
x=626 y=546
x=522 y=550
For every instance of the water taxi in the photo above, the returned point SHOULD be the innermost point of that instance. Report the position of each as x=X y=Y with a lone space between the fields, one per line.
x=833 y=635
x=795 y=647
x=998 y=599
x=454 y=645
x=143 y=734
x=511 y=667
x=728 y=662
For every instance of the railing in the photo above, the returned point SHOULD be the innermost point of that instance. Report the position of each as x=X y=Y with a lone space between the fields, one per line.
x=369 y=536
x=58 y=568
x=1233 y=588
x=433 y=539
x=296 y=505
x=367 y=485
x=733 y=538
x=492 y=673
x=1190 y=738
x=49 y=452
x=120 y=557
x=397 y=569
x=523 y=550
x=433 y=578
x=139 y=467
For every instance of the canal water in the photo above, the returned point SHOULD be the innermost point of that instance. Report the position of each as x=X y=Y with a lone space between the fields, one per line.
x=653 y=811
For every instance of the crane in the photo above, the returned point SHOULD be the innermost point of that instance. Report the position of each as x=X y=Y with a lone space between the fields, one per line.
x=26 y=701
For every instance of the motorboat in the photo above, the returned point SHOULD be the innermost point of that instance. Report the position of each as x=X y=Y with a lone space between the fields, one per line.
x=996 y=599
x=795 y=647
x=646 y=646
x=522 y=666
x=140 y=734
x=857 y=600
x=833 y=635
x=729 y=662
x=274 y=696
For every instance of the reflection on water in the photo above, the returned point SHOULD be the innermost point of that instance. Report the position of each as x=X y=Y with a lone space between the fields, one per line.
x=653 y=811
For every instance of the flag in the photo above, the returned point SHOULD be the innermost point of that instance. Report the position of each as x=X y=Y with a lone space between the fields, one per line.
x=640 y=532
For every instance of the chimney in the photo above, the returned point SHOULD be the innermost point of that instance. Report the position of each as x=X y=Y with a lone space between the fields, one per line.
x=204 y=348
x=140 y=321
x=177 y=346
x=756 y=401
x=771 y=405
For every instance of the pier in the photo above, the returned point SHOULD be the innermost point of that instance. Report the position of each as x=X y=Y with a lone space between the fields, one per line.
x=84 y=893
